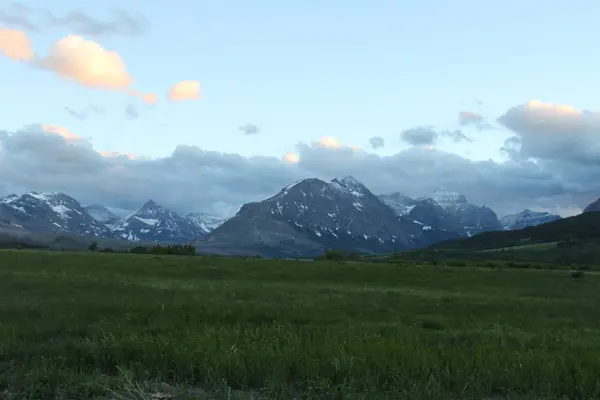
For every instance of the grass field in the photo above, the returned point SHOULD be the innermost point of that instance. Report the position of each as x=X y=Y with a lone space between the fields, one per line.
x=113 y=326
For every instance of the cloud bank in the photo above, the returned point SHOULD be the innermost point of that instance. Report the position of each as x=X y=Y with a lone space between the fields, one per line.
x=47 y=158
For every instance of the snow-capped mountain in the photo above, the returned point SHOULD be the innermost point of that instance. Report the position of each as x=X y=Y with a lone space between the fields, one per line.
x=527 y=218
x=473 y=219
x=437 y=223
x=51 y=212
x=448 y=199
x=398 y=202
x=154 y=223
x=206 y=222
x=312 y=215
x=102 y=214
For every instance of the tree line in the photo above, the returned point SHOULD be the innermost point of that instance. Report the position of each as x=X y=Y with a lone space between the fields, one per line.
x=174 y=249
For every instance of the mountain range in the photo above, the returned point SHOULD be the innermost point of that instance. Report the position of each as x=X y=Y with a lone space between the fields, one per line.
x=303 y=219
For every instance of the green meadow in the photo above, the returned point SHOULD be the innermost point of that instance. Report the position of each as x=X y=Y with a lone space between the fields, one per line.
x=126 y=326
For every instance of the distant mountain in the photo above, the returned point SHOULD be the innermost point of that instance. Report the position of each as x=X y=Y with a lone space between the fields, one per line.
x=473 y=219
x=398 y=202
x=595 y=206
x=311 y=215
x=154 y=223
x=584 y=227
x=527 y=218
x=102 y=214
x=206 y=222
x=50 y=212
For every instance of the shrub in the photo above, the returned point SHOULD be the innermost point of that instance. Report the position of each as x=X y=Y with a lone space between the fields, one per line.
x=577 y=274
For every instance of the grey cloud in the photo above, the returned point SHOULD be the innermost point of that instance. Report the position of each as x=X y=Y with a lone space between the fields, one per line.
x=456 y=135
x=84 y=113
x=192 y=179
x=122 y=23
x=420 y=136
x=132 y=112
x=249 y=129
x=471 y=118
x=428 y=136
x=377 y=142
x=553 y=133
x=17 y=15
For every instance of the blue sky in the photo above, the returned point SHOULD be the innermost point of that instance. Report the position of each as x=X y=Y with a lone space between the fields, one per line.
x=303 y=70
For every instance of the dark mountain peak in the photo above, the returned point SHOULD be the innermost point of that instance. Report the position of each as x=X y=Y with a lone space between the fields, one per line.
x=316 y=214
x=594 y=206
x=352 y=182
x=150 y=204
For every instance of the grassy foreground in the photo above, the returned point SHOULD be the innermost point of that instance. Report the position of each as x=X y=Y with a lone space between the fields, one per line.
x=112 y=326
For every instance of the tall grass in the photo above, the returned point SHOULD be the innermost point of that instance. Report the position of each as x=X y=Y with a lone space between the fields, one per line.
x=119 y=326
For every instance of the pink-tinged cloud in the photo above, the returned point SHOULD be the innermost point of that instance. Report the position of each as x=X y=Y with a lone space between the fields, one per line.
x=184 y=90
x=15 y=45
x=329 y=142
x=65 y=133
x=469 y=117
x=88 y=63
x=113 y=154
x=149 y=98
x=291 y=158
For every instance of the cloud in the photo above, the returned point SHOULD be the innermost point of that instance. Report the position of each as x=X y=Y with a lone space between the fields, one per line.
x=553 y=132
x=377 y=142
x=184 y=90
x=150 y=98
x=61 y=131
x=132 y=112
x=88 y=63
x=249 y=129
x=15 y=45
x=427 y=136
x=17 y=15
x=471 y=118
x=291 y=158
x=34 y=19
x=420 y=136
x=84 y=113
x=122 y=24
x=456 y=135
x=53 y=159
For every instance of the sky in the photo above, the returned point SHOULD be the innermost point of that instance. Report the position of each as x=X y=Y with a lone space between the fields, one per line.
x=205 y=105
